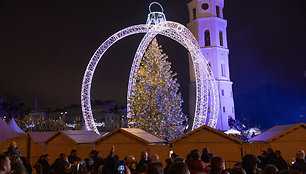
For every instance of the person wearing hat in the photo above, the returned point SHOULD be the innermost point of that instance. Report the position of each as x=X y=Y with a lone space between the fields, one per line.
x=300 y=163
x=13 y=149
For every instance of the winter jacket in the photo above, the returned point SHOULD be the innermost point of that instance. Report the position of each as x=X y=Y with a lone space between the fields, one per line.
x=197 y=166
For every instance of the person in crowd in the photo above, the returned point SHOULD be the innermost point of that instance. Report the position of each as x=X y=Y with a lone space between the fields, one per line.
x=42 y=166
x=81 y=168
x=17 y=165
x=270 y=169
x=206 y=155
x=179 y=167
x=271 y=157
x=26 y=164
x=95 y=161
x=173 y=156
x=110 y=166
x=262 y=160
x=68 y=167
x=38 y=166
x=280 y=163
x=116 y=157
x=290 y=171
x=179 y=158
x=300 y=163
x=60 y=164
x=143 y=163
x=217 y=166
x=237 y=170
x=131 y=164
x=188 y=159
x=155 y=168
x=238 y=164
x=195 y=164
x=154 y=158
x=5 y=164
x=73 y=157
x=169 y=161
x=90 y=160
x=13 y=149
x=249 y=164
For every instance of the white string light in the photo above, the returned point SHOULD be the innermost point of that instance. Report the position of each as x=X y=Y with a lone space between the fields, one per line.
x=206 y=88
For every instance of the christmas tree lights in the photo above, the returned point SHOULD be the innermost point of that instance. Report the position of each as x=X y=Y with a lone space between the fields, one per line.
x=156 y=104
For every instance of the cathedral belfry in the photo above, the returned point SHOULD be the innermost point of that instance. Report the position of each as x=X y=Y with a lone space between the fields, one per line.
x=208 y=26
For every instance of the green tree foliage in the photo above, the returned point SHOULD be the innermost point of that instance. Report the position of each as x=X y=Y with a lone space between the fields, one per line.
x=156 y=104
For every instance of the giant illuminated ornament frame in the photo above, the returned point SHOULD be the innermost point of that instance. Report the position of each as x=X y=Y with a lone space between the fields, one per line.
x=207 y=97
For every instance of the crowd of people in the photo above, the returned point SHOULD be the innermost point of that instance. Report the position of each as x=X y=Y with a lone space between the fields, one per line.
x=269 y=162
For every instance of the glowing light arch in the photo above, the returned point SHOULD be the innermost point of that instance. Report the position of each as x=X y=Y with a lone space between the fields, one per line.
x=87 y=79
x=206 y=89
x=204 y=78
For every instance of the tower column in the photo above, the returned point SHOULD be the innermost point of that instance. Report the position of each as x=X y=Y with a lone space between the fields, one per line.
x=208 y=26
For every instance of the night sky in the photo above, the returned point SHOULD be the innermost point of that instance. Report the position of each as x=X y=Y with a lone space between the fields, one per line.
x=46 y=46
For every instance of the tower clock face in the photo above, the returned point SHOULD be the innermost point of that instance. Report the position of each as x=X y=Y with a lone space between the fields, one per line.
x=205 y=6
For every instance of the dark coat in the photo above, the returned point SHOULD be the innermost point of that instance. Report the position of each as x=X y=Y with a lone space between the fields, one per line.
x=197 y=166
x=299 y=165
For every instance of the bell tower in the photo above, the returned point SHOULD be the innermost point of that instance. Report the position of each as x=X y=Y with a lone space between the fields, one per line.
x=209 y=28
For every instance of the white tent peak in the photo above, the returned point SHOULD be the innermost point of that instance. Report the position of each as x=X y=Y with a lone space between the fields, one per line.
x=6 y=132
x=15 y=127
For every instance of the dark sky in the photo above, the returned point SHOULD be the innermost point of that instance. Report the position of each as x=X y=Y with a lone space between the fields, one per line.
x=46 y=45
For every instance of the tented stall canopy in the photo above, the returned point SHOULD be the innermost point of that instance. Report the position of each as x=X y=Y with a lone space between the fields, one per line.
x=15 y=127
x=219 y=143
x=6 y=132
x=131 y=141
x=286 y=138
x=40 y=137
x=8 y=135
x=65 y=141
x=36 y=144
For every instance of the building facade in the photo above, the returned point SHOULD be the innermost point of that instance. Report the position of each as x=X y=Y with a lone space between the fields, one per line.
x=209 y=27
x=108 y=116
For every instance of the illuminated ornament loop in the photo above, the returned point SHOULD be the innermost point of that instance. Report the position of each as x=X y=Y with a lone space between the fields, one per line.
x=156 y=17
x=161 y=7
x=204 y=79
x=206 y=88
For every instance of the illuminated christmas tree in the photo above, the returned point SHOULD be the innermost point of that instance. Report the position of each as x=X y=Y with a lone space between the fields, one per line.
x=156 y=104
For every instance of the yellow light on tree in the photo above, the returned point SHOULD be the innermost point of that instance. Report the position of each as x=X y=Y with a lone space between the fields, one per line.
x=156 y=104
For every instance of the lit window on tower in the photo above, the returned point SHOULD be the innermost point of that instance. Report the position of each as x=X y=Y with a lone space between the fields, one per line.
x=207 y=38
x=221 y=37
x=218 y=11
x=194 y=13
x=223 y=70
